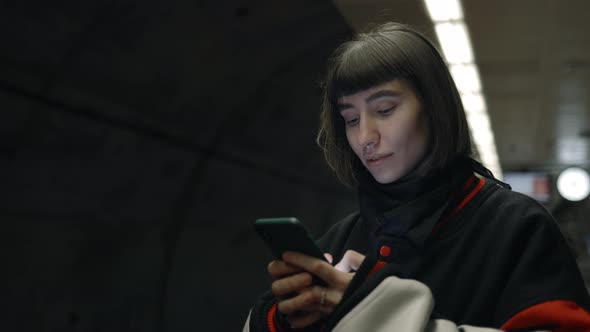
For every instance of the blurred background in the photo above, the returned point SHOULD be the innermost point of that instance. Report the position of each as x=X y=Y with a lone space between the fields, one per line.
x=139 y=140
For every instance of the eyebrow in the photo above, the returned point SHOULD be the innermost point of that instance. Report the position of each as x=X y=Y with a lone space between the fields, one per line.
x=376 y=95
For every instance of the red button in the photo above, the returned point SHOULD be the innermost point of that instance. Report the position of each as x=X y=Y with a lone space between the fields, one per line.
x=385 y=251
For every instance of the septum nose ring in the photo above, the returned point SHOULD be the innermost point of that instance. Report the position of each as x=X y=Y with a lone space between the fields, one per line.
x=369 y=147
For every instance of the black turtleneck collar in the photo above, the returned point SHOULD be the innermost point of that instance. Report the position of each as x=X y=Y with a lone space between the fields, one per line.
x=386 y=196
x=411 y=207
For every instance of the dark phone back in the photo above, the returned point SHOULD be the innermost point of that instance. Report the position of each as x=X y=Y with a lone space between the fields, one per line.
x=287 y=234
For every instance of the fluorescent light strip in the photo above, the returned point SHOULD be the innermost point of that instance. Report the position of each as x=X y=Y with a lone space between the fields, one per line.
x=473 y=103
x=466 y=78
x=480 y=126
x=481 y=131
x=447 y=17
x=449 y=10
x=455 y=42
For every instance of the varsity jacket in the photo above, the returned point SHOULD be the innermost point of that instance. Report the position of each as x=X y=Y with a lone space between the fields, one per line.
x=489 y=259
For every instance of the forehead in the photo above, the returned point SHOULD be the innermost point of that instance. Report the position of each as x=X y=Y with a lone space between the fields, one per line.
x=397 y=87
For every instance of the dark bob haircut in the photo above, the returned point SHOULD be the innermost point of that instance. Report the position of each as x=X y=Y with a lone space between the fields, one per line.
x=389 y=52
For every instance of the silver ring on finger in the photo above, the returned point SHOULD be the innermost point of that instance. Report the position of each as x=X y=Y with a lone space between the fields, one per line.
x=323 y=298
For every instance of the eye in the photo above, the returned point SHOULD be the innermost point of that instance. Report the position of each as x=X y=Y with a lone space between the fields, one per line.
x=386 y=111
x=351 y=122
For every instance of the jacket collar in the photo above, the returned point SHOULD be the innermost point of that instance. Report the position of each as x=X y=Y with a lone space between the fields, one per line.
x=411 y=209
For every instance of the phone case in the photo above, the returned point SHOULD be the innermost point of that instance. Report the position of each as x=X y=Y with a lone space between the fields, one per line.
x=287 y=234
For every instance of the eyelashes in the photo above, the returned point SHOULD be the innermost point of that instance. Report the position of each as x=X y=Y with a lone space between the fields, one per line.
x=384 y=113
x=352 y=122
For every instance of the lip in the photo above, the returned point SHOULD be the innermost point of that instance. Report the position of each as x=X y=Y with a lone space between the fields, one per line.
x=380 y=159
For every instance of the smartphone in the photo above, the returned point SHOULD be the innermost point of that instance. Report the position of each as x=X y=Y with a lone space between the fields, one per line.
x=287 y=234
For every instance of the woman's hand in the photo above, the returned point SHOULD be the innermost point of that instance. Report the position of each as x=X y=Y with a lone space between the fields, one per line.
x=302 y=302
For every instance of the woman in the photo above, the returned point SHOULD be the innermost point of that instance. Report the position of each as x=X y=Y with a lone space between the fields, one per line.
x=438 y=242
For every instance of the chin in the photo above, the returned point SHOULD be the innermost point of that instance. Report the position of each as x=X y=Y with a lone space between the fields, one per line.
x=386 y=178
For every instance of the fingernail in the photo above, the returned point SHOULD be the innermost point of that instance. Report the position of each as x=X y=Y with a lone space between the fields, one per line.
x=287 y=256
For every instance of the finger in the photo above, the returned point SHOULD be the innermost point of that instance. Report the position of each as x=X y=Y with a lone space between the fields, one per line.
x=278 y=269
x=301 y=302
x=305 y=320
x=315 y=266
x=291 y=284
x=331 y=299
x=324 y=309
x=306 y=301
x=350 y=261
x=329 y=257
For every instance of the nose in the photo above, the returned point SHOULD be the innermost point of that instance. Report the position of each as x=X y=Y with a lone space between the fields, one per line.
x=368 y=134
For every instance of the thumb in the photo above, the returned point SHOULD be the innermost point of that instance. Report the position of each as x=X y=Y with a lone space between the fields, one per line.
x=350 y=261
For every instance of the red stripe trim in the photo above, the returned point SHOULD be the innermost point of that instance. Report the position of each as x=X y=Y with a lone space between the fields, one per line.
x=556 y=316
x=468 y=183
x=377 y=266
x=465 y=200
x=270 y=318
x=468 y=197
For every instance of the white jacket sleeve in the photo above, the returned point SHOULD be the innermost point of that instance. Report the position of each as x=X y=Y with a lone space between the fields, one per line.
x=397 y=305
x=247 y=324
x=400 y=305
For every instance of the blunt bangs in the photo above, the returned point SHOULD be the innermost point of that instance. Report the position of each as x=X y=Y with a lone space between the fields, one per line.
x=362 y=68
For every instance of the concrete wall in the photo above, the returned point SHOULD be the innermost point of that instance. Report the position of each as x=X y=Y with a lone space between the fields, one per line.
x=139 y=141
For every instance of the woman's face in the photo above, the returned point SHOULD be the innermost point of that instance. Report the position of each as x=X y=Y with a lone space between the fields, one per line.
x=386 y=128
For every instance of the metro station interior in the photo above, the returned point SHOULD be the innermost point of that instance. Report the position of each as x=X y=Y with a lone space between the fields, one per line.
x=141 y=139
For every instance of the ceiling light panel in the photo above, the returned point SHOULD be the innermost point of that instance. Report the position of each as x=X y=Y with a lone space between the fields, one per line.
x=466 y=78
x=444 y=10
x=454 y=42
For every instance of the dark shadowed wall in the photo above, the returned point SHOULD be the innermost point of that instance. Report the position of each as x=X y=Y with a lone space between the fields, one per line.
x=138 y=142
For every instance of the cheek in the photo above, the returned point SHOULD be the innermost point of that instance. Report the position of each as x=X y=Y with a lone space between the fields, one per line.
x=421 y=137
x=423 y=129
x=410 y=138
x=350 y=138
